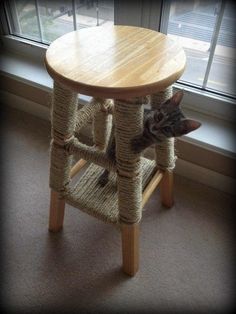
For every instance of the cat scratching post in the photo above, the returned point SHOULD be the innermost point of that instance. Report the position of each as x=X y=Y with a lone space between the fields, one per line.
x=165 y=153
x=115 y=63
x=102 y=124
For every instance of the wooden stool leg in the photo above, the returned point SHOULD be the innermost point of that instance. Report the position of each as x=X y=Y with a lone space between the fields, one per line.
x=166 y=186
x=56 y=215
x=128 y=124
x=64 y=110
x=165 y=153
x=130 y=248
x=102 y=124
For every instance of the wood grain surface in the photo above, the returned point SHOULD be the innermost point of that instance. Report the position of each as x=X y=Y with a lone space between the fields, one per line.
x=115 y=61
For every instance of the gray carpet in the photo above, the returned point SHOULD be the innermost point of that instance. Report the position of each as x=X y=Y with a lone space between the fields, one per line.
x=185 y=253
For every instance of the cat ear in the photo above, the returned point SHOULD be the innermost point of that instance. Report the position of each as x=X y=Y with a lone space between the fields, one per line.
x=188 y=125
x=177 y=97
x=173 y=103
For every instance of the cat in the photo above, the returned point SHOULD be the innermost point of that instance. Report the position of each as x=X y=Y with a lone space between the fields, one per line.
x=165 y=122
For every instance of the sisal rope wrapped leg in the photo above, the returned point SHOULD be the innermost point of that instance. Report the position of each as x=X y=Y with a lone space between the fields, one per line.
x=102 y=124
x=64 y=106
x=165 y=152
x=129 y=123
x=97 y=110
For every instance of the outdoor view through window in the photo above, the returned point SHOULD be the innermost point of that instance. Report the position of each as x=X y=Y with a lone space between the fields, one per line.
x=46 y=20
x=205 y=28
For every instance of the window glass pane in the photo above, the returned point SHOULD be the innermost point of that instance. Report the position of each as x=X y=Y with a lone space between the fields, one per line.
x=46 y=20
x=223 y=69
x=94 y=13
x=23 y=19
x=192 y=24
x=56 y=18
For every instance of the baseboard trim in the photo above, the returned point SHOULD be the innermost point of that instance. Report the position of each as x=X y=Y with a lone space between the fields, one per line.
x=205 y=176
x=26 y=105
x=183 y=168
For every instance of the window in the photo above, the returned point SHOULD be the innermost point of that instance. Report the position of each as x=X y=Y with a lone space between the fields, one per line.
x=44 y=20
x=206 y=30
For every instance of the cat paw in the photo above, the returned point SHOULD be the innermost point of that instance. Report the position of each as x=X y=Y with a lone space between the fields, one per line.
x=138 y=144
x=102 y=181
x=135 y=145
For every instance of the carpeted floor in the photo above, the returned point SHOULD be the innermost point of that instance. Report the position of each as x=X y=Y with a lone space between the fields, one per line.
x=185 y=253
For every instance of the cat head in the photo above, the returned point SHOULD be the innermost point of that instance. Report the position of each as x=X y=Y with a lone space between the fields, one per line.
x=165 y=122
x=169 y=121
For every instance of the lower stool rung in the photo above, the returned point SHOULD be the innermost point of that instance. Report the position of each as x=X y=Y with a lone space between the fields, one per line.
x=102 y=202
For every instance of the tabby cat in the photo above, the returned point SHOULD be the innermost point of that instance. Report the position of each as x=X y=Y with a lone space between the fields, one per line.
x=165 y=122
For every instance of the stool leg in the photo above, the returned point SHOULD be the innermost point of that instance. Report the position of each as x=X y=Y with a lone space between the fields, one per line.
x=130 y=248
x=165 y=154
x=166 y=186
x=129 y=123
x=56 y=214
x=101 y=128
x=64 y=108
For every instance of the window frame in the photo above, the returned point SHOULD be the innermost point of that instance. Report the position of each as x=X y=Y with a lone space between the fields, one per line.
x=144 y=13
x=200 y=99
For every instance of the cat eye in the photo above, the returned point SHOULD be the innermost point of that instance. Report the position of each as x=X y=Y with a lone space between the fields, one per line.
x=167 y=129
x=159 y=116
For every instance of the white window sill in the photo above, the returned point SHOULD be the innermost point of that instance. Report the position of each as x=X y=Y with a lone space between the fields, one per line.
x=215 y=134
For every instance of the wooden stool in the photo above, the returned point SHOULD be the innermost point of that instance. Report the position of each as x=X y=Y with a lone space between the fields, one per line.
x=124 y=64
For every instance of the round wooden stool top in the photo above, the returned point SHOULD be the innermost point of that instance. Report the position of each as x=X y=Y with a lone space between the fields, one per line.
x=115 y=62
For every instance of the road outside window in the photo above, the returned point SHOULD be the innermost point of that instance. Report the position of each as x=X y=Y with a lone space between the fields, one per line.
x=206 y=30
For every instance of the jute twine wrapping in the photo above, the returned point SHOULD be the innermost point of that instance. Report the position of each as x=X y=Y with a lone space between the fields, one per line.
x=64 y=106
x=106 y=202
x=129 y=123
x=90 y=110
x=99 y=110
x=165 y=151
x=90 y=153
x=102 y=124
x=65 y=120
x=102 y=202
x=86 y=113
